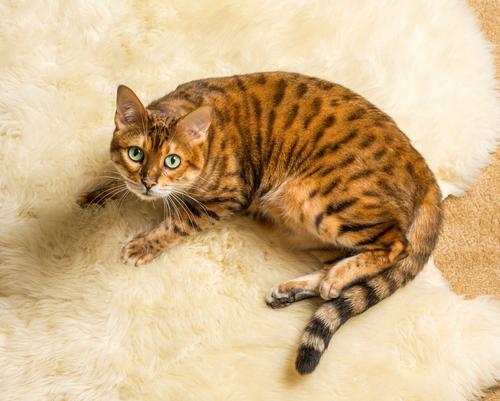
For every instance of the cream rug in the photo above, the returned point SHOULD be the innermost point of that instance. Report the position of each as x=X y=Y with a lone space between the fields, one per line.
x=76 y=324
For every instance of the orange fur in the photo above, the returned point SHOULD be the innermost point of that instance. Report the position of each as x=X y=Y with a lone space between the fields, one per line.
x=331 y=173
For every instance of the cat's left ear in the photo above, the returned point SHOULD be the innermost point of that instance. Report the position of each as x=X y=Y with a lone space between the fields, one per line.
x=195 y=124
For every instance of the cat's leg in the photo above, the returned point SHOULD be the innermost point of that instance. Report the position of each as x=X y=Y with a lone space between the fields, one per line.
x=112 y=190
x=295 y=290
x=188 y=219
x=307 y=286
x=373 y=258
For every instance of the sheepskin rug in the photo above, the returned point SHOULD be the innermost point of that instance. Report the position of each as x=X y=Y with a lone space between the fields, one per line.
x=77 y=324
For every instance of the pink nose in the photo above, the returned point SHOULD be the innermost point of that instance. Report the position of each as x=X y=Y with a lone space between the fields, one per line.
x=149 y=183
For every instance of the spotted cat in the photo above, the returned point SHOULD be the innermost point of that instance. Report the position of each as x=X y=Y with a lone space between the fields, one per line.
x=329 y=171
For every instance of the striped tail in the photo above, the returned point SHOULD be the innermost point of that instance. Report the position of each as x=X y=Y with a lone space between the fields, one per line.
x=422 y=235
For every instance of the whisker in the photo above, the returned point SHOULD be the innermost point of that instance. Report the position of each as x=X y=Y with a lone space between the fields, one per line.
x=179 y=215
x=198 y=202
x=101 y=200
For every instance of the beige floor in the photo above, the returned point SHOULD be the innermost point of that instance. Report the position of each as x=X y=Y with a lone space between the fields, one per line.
x=468 y=253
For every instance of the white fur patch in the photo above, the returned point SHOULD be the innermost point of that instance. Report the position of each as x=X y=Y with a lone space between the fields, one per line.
x=75 y=323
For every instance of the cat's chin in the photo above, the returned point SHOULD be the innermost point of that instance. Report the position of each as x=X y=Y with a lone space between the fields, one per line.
x=148 y=197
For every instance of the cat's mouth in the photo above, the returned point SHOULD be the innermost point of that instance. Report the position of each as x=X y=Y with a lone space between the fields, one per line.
x=143 y=192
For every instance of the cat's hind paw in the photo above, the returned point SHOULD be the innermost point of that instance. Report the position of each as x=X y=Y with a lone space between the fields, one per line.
x=276 y=298
x=328 y=290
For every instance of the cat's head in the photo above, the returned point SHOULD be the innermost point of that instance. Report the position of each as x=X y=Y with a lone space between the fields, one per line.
x=157 y=159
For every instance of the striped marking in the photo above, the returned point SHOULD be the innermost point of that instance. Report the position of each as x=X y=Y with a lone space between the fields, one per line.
x=301 y=90
x=292 y=116
x=280 y=92
x=374 y=238
x=369 y=140
x=346 y=228
x=331 y=187
x=337 y=208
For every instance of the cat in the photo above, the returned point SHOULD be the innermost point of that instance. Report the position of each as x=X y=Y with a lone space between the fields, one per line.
x=329 y=171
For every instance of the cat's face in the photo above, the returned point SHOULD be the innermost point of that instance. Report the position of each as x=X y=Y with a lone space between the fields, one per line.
x=157 y=160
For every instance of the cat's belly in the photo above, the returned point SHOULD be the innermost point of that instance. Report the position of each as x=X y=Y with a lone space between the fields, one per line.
x=295 y=237
x=290 y=219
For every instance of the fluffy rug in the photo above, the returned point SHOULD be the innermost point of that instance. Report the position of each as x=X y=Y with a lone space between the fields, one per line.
x=77 y=324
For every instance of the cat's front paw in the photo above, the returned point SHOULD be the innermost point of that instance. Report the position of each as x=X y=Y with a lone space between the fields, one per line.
x=92 y=198
x=84 y=200
x=139 y=251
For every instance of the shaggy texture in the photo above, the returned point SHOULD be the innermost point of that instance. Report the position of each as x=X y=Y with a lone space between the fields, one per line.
x=77 y=324
x=469 y=249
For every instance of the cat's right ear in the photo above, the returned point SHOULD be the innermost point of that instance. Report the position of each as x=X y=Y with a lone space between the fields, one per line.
x=129 y=109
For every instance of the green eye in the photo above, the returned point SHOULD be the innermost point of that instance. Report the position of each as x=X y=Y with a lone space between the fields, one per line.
x=136 y=154
x=172 y=161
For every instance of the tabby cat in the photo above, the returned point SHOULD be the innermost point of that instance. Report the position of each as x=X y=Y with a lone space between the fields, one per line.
x=327 y=169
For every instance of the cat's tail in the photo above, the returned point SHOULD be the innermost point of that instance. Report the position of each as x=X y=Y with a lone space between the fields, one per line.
x=422 y=235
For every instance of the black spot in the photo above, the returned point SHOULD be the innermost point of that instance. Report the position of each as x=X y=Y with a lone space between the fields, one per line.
x=313 y=193
x=356 y=114
x=292 y=149
x=212 y=214
x=331 y=187
x=360 y=174
x=319 y=219
x=257 y=107
x=348 y=160
x=316 y=108
x=337 y=208
x=328 y=171
x=329 y=121
x=380 y=153
x=270 y=121
x=388 y=169
x=317 y=136
x=291 y=116
x=348 y=96
x=240 y=84
x=349 y=137
x=374 y=238
x=261 y=79
x=384 y=185
x=218 y=89
x=194 y=225
x=310 y=173
x=280 y=92
x=345 y=228
x=326 y=86
x=370 y=138
x=193 y=210
x=301 y=90
x=410 y=169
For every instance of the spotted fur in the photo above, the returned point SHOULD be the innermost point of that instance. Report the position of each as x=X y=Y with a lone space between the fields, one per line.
x=330 y=172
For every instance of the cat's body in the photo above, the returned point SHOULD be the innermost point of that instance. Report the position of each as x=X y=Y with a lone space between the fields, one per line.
x=320 y=164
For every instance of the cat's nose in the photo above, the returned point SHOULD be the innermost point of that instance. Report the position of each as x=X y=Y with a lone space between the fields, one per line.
x=149 y=182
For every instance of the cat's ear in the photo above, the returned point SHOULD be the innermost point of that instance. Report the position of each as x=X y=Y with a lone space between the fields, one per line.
x=129 y=109
x=195 y=124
